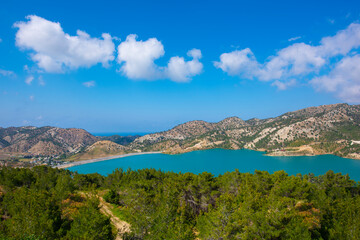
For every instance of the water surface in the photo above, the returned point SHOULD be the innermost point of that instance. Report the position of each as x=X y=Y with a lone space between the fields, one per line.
x=219 y=161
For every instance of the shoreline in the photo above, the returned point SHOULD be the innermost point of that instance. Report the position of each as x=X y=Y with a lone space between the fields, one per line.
x=273 y=154
x=82 y=162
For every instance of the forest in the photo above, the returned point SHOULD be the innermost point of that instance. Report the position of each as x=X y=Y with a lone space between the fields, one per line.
x=49 y=203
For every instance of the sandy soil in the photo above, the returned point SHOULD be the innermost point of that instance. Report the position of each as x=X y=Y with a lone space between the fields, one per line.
x=121 y=226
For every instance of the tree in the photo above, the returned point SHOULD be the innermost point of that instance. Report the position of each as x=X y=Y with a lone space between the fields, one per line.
x=89 y=223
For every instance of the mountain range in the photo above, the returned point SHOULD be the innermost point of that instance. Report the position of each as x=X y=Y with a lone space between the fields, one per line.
x=327 y=129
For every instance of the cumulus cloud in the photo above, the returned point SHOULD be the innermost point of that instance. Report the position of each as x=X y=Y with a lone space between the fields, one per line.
x=238 y=62
x=89 y=84
x=342 y=43
x=295 y=60
x=56 y=51
x=301 y=60
x=137 y=59
x=343 y=80
x=29 y=80
x=180 y=70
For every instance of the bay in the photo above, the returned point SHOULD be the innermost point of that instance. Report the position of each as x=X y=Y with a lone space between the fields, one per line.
x=219 y=161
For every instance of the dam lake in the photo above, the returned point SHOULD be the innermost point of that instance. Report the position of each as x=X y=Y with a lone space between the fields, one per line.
x=219 y=161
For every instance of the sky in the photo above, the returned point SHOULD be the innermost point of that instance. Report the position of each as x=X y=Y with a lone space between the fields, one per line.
x=146 y=66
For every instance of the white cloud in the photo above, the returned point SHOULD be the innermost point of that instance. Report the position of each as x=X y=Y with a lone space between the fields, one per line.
x=343 y=80
x=294 y=38
x=138 y=57
x=238 y=62
x=179 y=70
x=6 y=72
x=284 y=85
x=31 y=97
x=89 y=84
x=29 y=80
x=342 y=43
x=300 y=60
x=138 y=61
x=56 y=51
x=295 y=60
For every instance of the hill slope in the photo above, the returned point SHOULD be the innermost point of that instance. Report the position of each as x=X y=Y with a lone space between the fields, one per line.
x=44 y=141
x=328 y=129
x=331 y=129
x=100 y=149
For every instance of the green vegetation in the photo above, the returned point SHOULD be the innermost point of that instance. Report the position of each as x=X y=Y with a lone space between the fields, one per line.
x=42 y=203
x=122 y=140
x=329 y=147
x=46 y=203
x=300 y=142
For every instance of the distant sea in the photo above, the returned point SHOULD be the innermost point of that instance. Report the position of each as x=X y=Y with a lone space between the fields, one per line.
x=219 y=161
x=120 y=134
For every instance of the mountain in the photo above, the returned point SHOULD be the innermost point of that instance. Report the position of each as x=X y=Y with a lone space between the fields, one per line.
x=45 y=141
x=333 y=129
x=327 y=129
x=99 y=149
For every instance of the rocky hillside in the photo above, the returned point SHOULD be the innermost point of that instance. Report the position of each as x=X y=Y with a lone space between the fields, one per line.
x=331 y=129
x=99 y=149
x=45 y=141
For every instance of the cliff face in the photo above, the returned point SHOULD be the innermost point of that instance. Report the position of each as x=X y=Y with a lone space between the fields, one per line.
x=324 y=129
x=44 y=141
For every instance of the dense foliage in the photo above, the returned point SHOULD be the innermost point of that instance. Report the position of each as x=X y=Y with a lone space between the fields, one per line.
x=46 y=203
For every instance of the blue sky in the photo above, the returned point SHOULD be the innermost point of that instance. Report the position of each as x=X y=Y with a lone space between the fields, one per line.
x=191 y=60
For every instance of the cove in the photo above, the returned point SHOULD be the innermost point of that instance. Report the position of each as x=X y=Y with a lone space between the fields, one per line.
x=219 y=161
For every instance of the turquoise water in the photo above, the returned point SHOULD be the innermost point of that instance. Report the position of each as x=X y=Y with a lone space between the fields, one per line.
x=219 y=161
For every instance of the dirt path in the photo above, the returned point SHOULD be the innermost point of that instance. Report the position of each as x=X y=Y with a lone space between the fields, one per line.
x=106 y=209
x=120 y=225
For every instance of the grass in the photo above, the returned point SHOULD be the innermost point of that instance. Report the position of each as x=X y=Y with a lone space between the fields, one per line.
x=118 y=211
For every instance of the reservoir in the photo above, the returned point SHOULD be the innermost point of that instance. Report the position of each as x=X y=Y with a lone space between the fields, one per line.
x=219 y=161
